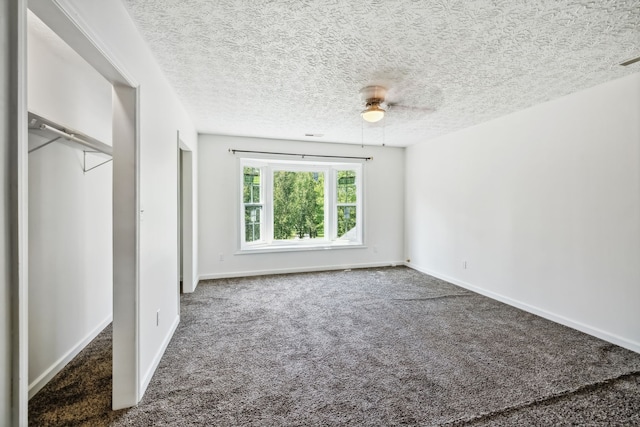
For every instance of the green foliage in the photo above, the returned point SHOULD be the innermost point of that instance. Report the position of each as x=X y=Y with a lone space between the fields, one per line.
x=346 y=187
x=252 y=215
x=251 y=185
x=298 y=204
x=346 y=219
x=253 y=207
x=346 y=198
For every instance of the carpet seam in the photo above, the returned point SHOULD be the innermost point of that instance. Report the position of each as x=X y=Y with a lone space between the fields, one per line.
x=547 y=399
x=432 y=298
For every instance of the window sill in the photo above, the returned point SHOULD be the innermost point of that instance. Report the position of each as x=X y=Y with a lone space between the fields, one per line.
x=258 y=249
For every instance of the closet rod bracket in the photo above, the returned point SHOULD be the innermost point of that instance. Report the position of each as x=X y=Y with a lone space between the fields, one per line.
x=84 y=161
x=45 y=144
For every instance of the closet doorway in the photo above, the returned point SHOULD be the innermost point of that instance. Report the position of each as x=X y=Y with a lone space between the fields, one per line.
x=125 y=196
x=70 y=203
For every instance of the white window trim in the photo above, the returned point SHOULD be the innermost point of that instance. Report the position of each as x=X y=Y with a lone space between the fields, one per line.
x=330 y=241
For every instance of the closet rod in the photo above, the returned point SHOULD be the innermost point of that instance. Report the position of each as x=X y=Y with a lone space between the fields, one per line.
x=106 y=150
x=234 y=151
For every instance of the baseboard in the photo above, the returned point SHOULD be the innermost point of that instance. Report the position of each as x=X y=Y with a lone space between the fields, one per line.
x=42 y=380
x=146 y=379
x=227 y=275
x=587 y=329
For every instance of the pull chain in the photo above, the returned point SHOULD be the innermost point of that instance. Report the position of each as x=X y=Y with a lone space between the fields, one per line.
x=384 y=126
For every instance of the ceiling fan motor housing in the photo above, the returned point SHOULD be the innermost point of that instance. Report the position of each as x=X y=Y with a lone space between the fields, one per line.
x=373 y=95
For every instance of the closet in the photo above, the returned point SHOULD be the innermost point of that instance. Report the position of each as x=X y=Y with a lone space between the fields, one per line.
x=70 y=203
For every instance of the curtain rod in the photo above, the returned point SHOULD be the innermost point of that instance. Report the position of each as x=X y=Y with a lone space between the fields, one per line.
x=234 y=151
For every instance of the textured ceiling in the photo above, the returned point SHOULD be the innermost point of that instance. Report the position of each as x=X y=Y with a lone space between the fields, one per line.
x=285 y=68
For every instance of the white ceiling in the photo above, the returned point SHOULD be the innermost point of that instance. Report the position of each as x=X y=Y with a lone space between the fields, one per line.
x=284 y=68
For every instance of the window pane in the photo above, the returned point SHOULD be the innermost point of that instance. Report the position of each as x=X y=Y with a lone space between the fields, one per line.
x=252 y=216
x=347 y=222
x=251 y=193
x=346 y=187
x=298 y=205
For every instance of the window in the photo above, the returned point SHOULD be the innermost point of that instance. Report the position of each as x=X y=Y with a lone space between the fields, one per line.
x=252 y=199
x=292 y=205
x=346 y=202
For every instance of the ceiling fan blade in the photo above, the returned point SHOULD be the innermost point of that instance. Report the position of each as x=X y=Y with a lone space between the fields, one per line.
x=401 y=107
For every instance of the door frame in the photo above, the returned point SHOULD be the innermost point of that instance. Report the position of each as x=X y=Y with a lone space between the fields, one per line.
x=14 y=25
x=186 y=217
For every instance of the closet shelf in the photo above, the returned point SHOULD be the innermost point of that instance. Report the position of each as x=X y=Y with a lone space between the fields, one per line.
x=43 y=132
x=47 y=132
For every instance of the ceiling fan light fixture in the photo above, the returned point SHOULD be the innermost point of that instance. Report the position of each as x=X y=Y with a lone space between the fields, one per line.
x=373 y=113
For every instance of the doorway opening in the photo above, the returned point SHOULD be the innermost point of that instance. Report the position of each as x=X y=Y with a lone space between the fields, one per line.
x=187 y=274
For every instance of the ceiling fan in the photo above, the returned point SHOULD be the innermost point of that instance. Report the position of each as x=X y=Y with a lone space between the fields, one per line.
x=376 y=104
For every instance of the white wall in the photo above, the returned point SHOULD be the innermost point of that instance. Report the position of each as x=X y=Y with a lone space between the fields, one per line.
x=161 y=117
x=543 y=205
x=218 y=202
x=70 y=213
x=63 y=87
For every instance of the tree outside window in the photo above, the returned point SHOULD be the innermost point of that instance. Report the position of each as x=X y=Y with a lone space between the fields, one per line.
x=298 y=205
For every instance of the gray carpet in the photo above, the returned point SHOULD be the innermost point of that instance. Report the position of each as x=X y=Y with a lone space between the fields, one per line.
x=364 y=347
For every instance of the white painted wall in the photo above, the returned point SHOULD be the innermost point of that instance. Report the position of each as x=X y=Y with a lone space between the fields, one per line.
x=218 y=215
x=70 y=213
x=70 y=254
x=543 y=205
x=161 y=117
x=63 y=87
